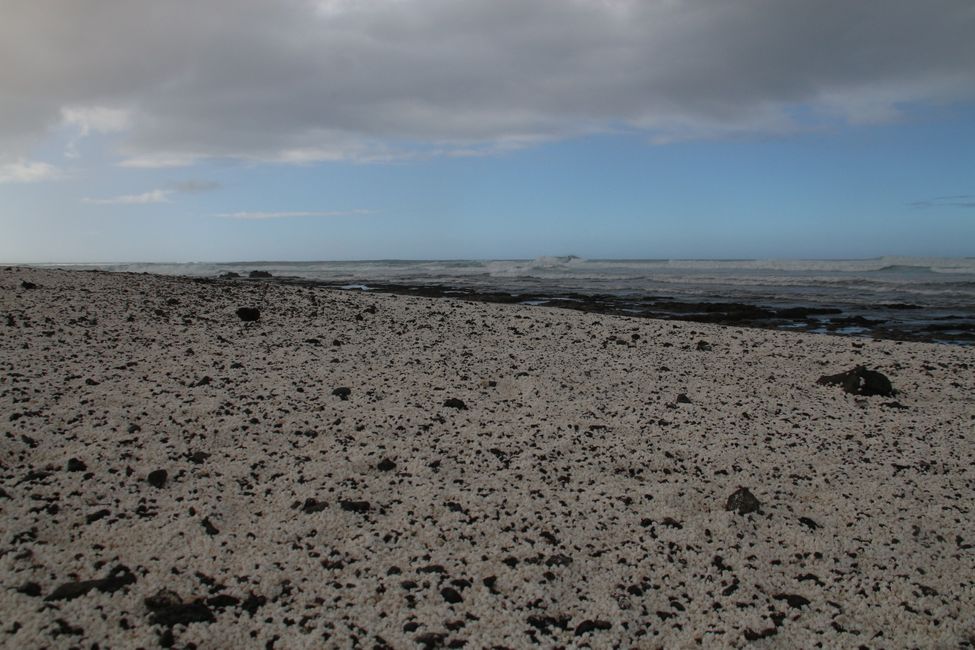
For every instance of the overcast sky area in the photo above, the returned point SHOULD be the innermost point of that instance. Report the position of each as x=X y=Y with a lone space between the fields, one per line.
x=223 y=130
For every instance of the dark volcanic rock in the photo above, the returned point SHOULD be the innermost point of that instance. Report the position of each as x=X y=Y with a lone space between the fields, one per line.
x=860 y=381
x=259 y=274
x=355 y=506
x=31 y=589
x=455 y=403
x=24 y=284
x=313 y=505
x=157 y=478
x=451 y=595
x=228 y=275
x=592 y=626
x=743 y=502
x=209 y=527
x=342 y=392
x=248 y=314
x=75 y=465
x=195 y=612
x=117 y=578
x=163 y=599
x=794 y=600
x=386 y=465
x=683 y=399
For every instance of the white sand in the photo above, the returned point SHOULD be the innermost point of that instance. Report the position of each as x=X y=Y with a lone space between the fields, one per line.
x=574 y=484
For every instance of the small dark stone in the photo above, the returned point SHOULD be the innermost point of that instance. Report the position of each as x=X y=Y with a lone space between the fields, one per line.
x=252 y=603
x=455 y=403
x=24 y=284
x=809 y=523
x=195 y=612
x=134 y=428
x=228 y=275
x=860 y=381
x=209 y=527
x=31 y=589
x=755 y=636
x=312 y=505
x=162 y=599
x=98 y=514
x=683 y=399
x=592 y=626
x=355 y=506
x=451 y=595
x=249 y=314
x=793 y=600
x=157 y=478
x=75 y=465
x=117 y=578
x=743 y=502
x=703 y=346
x=342 y=392
x=197 y=457
x=221 y=601
x=386 y=465
x=202 y=381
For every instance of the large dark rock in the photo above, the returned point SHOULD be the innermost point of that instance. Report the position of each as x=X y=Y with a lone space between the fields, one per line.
x=860 y=381
x=259 y=274
x=249 y=314
x=157 y=478
x=455 y=403
x=342 y=392
x=743 y=502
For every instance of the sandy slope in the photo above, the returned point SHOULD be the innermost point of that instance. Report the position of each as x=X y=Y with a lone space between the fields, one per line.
x=573 y=502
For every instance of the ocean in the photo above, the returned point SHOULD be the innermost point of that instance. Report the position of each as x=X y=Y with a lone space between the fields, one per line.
x=908 y=294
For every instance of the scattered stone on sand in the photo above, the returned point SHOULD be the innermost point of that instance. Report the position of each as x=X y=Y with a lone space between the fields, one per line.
x=342 y=392
x=860 y=381
x=228 y=275
x=248 y=314
x=455 y=403
x=360 y=507
x=742 y=501
x=386 y=465
x=27 y=285
x=182 y=614
x=209 y=527
x=682 y=398
x=157 y=478
x=75 y=465
x=116 y=579
x=313 y=505
x=451 y=595
x=704 y=346
x=259 y=274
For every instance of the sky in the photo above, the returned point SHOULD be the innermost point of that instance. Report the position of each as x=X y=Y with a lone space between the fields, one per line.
x=233 y=130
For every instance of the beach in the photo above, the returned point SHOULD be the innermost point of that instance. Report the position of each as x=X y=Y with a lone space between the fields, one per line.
x=355 y=469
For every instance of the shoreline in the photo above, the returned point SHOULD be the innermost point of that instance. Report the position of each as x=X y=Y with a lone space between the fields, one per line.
x=399 y=471
x=880 y=323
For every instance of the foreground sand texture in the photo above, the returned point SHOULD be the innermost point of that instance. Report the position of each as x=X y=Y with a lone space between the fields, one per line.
x=575 y=501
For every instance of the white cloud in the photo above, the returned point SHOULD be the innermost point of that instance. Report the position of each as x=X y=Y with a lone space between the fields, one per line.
x=24 y=171
x=297 y=81
x=256 y=216
x=154 y=196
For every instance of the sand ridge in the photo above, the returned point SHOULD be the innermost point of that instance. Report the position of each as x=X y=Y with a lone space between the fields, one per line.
x=567 y=498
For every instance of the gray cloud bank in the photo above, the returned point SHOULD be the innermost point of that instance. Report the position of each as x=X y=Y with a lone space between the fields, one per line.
x=302 y=80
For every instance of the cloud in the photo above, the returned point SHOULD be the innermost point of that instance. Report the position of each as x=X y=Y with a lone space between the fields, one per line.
x=954 y=201
x=299 y=81
x=24 y=171
x=195 y=186
x=146 y=198
x=257 y=216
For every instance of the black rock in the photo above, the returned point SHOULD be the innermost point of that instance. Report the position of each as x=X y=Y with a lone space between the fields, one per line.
x=248 y=314
x=31 y=589
x=355 y=506
x=683 y=399
x=157 y=478
x=592 y=626
x=386 y=465
x=24 y=284
x=342 y=392
x=195 y=612
x=202 y=381
x=860 y=381
x=75 y=465
x=163 y=599
x=455 y=403
x=313 y=505
x=809 y=523
x=197 y=457
x=228 y=275
x=209 y=527
x=259 y=274
x=221 y=601
x=451 y=595
x=117 y=578
x=703 y=346
x=98 y=514
x=794 y=600
x=743 y=502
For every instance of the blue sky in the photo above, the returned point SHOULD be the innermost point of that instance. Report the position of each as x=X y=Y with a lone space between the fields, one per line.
x=204 y=157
